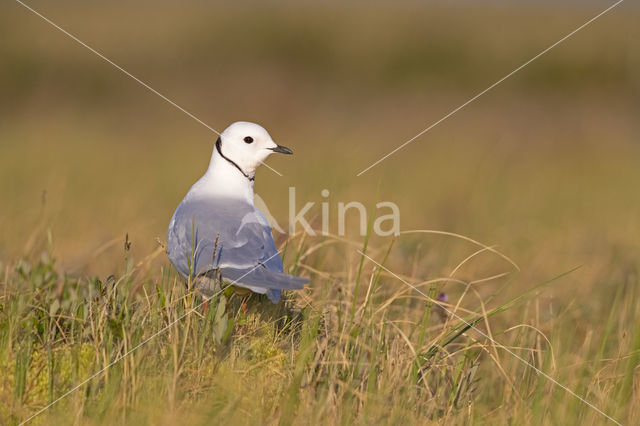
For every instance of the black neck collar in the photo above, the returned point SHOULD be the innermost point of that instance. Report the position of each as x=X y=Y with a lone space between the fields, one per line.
x=218 y=144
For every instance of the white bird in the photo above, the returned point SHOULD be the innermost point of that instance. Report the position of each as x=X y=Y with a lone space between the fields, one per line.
x=216 y=233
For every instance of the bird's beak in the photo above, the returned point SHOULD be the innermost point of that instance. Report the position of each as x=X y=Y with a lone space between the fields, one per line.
x=281 y=149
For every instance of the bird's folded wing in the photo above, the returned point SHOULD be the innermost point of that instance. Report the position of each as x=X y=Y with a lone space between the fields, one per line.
x=223 y=233
x=263 y=278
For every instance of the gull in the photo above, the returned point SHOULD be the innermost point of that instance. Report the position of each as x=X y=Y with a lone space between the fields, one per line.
x=216 y=234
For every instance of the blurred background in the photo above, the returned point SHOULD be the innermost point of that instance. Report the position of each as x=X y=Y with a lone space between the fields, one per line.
x=544 y=166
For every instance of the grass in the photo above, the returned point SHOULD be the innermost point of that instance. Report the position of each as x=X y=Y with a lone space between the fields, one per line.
x=542 y=170
x=381 y=353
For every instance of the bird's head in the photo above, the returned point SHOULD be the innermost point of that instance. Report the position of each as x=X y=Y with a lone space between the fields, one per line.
x=247 y=145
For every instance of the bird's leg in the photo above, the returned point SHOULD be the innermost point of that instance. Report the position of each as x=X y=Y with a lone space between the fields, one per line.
x=246 y=296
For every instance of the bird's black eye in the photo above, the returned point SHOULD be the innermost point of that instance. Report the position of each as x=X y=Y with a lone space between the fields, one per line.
x=248 y=139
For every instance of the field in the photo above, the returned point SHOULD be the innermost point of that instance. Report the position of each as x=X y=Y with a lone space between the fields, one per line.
x=519 y=214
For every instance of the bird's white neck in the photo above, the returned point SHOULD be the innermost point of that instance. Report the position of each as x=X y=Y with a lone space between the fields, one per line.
x=223 y=178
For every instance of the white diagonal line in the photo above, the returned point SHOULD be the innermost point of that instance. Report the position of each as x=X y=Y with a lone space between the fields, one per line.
x=491 y=87
x=271 y=168
x=145 y=85
x=554 y=381
x=77 y=40
x=144 y=342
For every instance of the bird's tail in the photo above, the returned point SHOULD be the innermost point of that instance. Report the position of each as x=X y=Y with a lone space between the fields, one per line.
x=262 y=278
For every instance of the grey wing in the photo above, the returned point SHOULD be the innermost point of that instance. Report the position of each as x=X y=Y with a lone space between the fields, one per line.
x=216 y=233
